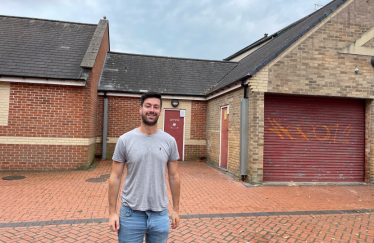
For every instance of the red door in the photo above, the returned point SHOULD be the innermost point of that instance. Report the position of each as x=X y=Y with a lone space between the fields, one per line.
x=224 y=137
x=174 y=125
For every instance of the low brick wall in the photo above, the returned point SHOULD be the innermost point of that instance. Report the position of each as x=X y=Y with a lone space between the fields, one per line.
x=44 y=157
x=194 y=152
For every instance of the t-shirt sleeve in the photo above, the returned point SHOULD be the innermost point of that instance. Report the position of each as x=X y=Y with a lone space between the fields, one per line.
x=174 y=155
x=119 y=154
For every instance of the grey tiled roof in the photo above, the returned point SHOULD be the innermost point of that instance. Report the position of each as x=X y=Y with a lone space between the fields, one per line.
x=255 y=61
x=43 y=48
x=132 y=73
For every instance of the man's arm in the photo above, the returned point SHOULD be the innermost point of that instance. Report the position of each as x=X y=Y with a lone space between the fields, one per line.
x=114 y=185
x=174 y=182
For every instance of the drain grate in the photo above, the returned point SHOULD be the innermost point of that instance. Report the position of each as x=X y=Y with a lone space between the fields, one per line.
x=13 y=178
x=96 y=180
x=106 y=176
x=102 y=178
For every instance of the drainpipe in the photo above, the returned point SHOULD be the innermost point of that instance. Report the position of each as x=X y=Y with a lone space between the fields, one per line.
x=244 y=133
x=105 y=126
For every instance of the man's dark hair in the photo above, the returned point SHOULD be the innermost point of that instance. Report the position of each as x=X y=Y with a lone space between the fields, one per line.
x=150 y=95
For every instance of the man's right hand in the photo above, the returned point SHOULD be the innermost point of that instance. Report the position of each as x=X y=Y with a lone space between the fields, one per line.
x=114 y=185
x=114 y=222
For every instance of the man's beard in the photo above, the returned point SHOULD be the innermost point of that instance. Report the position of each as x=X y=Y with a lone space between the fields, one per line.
x=147 y=122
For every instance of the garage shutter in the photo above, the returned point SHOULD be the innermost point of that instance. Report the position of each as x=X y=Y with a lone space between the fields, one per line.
x=313 y=139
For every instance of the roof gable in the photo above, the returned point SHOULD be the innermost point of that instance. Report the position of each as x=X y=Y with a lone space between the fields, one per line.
x=255 y=61
x=43 y=48
x=263 y=40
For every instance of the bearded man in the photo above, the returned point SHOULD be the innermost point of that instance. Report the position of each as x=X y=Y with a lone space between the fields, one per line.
x=146 y=151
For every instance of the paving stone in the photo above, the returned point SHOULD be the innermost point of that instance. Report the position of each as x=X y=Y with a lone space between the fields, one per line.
x=63 y=207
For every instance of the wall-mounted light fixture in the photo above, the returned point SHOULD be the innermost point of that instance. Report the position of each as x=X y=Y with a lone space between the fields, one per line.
x=372 y=61
x=174 y=103
x=356 y=70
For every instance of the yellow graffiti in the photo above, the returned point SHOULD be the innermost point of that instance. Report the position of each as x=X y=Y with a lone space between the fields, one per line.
x=348 y=130
x=292 y=131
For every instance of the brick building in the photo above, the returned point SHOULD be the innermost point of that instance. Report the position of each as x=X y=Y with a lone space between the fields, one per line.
x=126 y=76
x=49 y=72
x=310 y=100
x=296 y=105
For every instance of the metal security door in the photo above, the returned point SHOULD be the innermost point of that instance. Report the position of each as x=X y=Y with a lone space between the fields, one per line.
x=313 y=139
x=224 y=137
x=174 y=125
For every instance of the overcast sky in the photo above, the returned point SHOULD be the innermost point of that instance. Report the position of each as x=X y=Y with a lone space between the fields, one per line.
x=204 y=29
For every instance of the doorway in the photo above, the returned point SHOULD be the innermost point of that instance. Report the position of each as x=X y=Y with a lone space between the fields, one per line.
x=224 y=137
x=174 y=125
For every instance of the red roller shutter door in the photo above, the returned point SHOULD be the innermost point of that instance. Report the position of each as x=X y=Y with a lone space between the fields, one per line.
x=313 y=139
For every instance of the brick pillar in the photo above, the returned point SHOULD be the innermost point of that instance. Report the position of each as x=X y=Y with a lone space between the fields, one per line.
x=256 y=137
x=369 y=143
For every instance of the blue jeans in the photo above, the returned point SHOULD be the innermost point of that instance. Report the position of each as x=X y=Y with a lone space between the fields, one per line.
x=135 y=224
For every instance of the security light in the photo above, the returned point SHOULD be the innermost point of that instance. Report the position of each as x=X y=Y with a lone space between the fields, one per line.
x=174 y=103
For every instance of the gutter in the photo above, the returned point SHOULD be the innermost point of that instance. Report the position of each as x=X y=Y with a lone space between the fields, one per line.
x=142 y=92
x=170 y=96
x=51 y=81
x=36 y=77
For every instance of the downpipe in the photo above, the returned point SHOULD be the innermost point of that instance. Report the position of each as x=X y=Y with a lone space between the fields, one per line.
x=244 y=105
x=105 y=126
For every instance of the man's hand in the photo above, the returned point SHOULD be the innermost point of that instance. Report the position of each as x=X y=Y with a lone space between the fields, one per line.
x=175 y=185
x=114 y=222
x=114 y=185
x=174 y=220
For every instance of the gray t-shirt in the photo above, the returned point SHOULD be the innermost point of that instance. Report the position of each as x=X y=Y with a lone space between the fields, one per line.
x=146 y=157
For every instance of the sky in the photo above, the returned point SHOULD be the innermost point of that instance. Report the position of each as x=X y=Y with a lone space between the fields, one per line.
x=203 y=29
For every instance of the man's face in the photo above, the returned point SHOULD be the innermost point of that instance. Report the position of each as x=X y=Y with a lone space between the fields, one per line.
x=150 y=111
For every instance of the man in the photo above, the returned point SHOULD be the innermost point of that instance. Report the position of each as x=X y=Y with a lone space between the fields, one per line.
x=146 y=151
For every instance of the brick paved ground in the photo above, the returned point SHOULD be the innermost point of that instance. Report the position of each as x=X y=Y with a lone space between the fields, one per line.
x=214 y=208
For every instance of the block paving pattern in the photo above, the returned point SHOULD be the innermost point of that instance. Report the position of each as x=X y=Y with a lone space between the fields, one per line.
x=66 y=195
x=311 y=228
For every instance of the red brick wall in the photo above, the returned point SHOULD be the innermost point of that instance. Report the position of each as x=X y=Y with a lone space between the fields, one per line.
x=198 y=131
x=198 y=120
x=99 y=128
x=93 y=82
x=41 y=110
x=42 y=157
x=37 y=110
x=194 y=152
x=123 y=116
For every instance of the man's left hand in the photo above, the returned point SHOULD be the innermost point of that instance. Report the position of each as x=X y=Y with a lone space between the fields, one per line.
x=174 y=220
